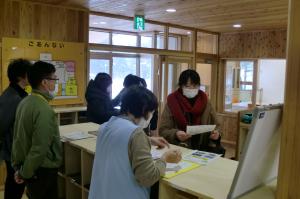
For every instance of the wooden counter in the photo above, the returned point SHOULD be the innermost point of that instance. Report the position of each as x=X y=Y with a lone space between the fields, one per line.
x=211 y=181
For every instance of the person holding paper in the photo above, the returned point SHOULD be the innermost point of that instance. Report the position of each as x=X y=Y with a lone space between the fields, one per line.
x=123 y=164
x=190 y=106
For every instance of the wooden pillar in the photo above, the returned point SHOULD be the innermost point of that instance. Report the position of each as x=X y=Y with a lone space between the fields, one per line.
x=288 y=186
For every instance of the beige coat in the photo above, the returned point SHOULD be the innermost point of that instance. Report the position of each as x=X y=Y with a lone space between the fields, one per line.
x=168 y=128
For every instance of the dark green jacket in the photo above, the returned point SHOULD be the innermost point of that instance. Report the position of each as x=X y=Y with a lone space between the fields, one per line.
x=36 y=136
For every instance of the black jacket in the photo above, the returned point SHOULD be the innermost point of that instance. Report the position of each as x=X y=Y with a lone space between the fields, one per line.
x=99 y=104
x=9 y=101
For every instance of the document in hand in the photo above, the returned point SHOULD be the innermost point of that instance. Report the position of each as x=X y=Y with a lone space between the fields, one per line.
x=198 y=129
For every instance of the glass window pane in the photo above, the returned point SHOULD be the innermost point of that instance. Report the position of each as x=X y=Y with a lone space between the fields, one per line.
x=172 y=43
x=239 y=80
x=124 y=40
x=271 y=81
x=160 y=41
x=146 y=41
x=184 y=37
x=97 y=66
x=246 y=74
x=146 y=72
x=122 y=66
x=98 y=37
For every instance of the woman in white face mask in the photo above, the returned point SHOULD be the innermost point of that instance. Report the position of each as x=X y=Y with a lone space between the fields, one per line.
x=190 y=106
x=123 y=159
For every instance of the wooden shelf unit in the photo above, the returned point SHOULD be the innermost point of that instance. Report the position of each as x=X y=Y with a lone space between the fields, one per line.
x=75 y=176
x=70 y=115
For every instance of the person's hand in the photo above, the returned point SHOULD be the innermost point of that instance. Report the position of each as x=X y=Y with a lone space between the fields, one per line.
x=160 y=142
x=182 y=136
x=18 y=178
x=172 y=156
x=214 y=135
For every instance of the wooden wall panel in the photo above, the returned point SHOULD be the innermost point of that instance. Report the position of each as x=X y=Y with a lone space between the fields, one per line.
x=20 y=19
x=229 y=127
x=37 y=21
x=258 y=44
x=288 y=178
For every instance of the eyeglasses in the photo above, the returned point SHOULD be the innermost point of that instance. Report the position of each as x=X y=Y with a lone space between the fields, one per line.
x=56 y=79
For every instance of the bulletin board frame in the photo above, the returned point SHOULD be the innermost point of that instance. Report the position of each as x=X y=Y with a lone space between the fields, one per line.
x=31 y=49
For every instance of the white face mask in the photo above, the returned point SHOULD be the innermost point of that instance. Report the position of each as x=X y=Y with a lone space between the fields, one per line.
x=190 y=93
x=145 y=123
x=54 y=92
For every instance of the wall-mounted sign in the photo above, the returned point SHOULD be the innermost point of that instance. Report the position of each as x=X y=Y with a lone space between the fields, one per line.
x=139 y=22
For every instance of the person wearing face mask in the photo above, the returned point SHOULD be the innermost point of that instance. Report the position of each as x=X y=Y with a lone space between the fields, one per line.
x=37 y=150
x=9 y=100
x=98 y=97
x=190 y=106
x=123 y=151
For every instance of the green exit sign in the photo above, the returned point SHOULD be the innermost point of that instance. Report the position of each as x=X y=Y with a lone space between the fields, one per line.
x=139 y=22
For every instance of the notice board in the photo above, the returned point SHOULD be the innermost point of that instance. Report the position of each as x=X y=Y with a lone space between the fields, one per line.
x=67 y=57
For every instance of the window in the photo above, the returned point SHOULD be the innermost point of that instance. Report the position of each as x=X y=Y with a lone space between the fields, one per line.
x=122 y=66
x=97 y=66
x=172 y=45
x=239 y=85
x=146 y=69
x=146 y=41
x=270 y=81
x=98 y=37
x=124 y=40
x=246 y=75
x=160 y=41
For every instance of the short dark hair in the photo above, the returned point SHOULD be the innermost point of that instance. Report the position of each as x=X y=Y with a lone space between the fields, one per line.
x=102 y=81
x=138 y=101
x=39 y=71
x=17 y=68
x=131 y=80
x=189 y=74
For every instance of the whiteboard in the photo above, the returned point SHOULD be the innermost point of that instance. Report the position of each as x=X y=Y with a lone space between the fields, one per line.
x=260 y=157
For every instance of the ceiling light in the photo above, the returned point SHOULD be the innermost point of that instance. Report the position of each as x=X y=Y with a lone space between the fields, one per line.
x=188 y=33
x=171 y=10
x=237 y=25
x=95 y=23
x=103 y=22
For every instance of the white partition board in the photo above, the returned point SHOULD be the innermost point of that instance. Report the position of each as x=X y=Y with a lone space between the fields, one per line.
x=260 y=157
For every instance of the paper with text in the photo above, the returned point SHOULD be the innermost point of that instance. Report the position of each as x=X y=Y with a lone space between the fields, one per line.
x=198 y=129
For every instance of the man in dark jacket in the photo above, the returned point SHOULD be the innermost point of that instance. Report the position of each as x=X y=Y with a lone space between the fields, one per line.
x=9 y=100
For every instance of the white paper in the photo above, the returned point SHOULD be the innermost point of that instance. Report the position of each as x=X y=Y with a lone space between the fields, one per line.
x=173 y=167
x=78 y=135
x=45 y=56
x=198 y=129
x=156 y=154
